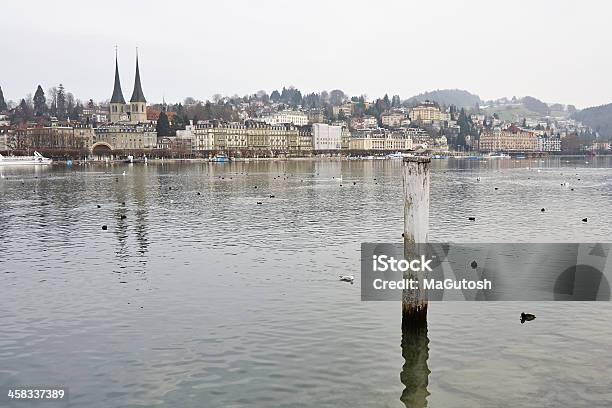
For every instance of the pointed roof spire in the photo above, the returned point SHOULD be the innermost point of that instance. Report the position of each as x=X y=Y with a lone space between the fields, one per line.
x=117 y=94
x=137 y=95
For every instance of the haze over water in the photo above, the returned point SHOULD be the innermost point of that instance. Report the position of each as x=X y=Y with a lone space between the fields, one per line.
x=214 y=300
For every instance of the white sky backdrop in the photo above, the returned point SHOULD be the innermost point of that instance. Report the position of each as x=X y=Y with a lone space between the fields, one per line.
x=558 y=51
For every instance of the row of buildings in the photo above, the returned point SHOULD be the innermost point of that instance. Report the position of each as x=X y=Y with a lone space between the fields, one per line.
x=124 y=128
x=258 y=138
x=250 y=138
x=516 y=139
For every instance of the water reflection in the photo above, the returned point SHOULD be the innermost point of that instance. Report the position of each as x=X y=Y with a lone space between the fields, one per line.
x=415 y=371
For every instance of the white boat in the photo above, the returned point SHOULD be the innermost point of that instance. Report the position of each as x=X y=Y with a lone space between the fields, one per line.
x=24 y=160
x=498 y=156
x=220 y=158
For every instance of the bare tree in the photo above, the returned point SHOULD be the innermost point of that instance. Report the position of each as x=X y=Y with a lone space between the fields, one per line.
x=52 y=92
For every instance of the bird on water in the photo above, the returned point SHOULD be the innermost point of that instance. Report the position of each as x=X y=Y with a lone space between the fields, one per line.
x=527 y=317
x=347 y=278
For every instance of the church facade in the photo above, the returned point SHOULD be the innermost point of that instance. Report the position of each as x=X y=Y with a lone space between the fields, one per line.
x=129 y=131
x=133 y=112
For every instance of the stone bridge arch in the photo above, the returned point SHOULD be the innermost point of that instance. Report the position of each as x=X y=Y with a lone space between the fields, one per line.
x=102 y=149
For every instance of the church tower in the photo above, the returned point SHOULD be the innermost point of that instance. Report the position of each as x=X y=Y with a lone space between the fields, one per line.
x=138 y=103
x=118 y=107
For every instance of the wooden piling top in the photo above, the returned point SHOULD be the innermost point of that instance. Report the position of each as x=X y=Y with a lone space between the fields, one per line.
x=417 y=159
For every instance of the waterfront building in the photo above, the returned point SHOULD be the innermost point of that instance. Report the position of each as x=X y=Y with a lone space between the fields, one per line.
x=548 y=144
x=129 y=130
x=600 y=146
x=55 y=139
x=186 y=137
x=229 y=136
x=345 y=138
x=326 y=137
x=264 y=138
x=124 y=137
x=512 y=139
x=380 y=140
x=305 y=141
x=252 y=137
x=428 y=112
x=4 y=140
x=203 y=137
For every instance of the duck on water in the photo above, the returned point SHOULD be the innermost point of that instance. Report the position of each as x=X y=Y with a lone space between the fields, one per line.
x=527 y=317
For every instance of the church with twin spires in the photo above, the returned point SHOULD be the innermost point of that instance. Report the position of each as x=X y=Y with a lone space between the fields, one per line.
x=133 y=112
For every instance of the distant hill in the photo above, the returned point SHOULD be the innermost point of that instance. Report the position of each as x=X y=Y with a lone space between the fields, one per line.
x=599 y=118
x=535 y=105
x=516 y=109
x=457 y=97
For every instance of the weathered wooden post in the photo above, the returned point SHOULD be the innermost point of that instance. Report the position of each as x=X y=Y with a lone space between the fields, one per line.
x=416 y=230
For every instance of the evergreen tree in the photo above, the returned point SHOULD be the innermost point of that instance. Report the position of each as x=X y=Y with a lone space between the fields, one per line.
x=76 y=112
x=284 y=97
x=296 y=98
x=275 y=96
x=3 y=106
x=387 y=101
x=208 y=112
x=395 y=101
x=465 y=125
x=23 y=113
x=163 y=125
x=40 y=102
x=61 y=102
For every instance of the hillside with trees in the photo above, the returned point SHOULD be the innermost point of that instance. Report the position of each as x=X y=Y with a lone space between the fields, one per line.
x=447 y=97
x=599 y=118
x=535 y=105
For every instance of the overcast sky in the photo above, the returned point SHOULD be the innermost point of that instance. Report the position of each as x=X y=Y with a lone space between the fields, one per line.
x=558 y=51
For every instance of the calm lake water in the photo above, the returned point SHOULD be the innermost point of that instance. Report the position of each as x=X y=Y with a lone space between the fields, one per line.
x=213 y=300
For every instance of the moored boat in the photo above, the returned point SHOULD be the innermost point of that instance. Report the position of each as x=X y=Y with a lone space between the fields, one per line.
x=397 y=155
x=24 y=160
x=220 y=158
x=498 y=156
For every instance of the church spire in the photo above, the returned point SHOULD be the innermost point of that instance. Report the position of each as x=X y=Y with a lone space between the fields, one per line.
x=117 y=94
x=137 y=95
